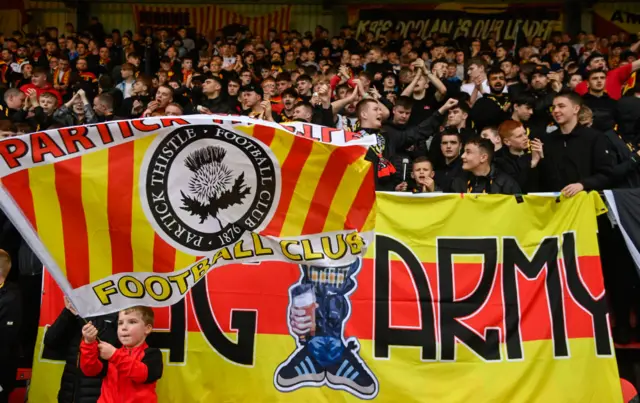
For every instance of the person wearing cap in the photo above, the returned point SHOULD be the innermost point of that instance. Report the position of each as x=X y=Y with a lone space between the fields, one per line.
x=616 y=78
x=542 y=88
x=251 y=96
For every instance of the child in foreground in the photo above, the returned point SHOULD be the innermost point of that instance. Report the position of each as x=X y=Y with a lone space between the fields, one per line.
x=130 y=372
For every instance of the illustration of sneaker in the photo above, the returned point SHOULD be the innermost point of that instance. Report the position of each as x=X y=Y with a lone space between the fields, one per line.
x=350 y=372
x=301 y=368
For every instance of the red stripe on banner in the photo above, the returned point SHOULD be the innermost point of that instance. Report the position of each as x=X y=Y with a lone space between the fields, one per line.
x=330 y=179
x=291 y=170
x=264 y=134
x=120 y=205
x=164 y=256
x=74 y=226
x=363 y=204
x=17 y=185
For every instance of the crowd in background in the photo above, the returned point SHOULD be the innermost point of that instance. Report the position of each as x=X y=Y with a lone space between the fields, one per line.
x=449 y=114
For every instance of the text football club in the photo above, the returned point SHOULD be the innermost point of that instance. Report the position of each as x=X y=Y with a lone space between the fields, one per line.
x=205 y=186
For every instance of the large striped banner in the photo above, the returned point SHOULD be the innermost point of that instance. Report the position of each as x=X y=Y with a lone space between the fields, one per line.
x=206 y=19
x=479 y=298
x=137 y=212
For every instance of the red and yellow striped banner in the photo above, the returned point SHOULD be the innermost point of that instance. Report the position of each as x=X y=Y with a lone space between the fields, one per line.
x=117 y=213
x=454 y=303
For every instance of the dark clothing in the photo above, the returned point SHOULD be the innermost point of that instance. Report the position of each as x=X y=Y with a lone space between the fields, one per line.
x=63 y=339
x=10 y=322
x=496 y=182
x=446 y=175
x=519 y=168
x=389 y=144
x=581 y=156
x=542 y=108
x=375 y=68
x=127 y=105
x=604 y=111
x=39 y=121
x=628 y=113
x=626 y=163
x=423 y=108
x=217 y=105
x=490 y=111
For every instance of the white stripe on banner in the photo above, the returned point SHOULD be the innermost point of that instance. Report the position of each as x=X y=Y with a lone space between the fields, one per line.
x=611 y=201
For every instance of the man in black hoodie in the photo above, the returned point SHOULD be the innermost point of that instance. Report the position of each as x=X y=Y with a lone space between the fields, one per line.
x=492 y=109
x=576 y=157
x=480 y=176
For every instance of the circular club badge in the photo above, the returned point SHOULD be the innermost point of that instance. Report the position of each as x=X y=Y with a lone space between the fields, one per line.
x=203 y=187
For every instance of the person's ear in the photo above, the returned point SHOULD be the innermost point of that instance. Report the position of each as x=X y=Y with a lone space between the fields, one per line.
x=147 y=330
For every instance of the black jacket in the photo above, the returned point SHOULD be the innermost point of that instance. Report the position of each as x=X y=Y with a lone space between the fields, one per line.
x=626 y=163
x=542 y=108
x=445 y=176
x=62 y=341
x=519 y=168
x=489 y=111
x=581 y=156
x=604 y=110
x=10 y=323
x=628 y=113
x=391 y=140
x=496 y=182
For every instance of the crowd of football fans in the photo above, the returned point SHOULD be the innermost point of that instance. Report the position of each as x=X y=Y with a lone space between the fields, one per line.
x=449 y=114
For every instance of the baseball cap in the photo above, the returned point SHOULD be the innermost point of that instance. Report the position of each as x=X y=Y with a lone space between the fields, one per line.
x=252 y=88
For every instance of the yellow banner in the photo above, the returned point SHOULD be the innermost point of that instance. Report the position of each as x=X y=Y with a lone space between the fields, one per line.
x=477 y=298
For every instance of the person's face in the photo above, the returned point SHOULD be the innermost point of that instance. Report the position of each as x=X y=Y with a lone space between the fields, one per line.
x=6 y=55
x=78 y=107
x=139 y=87
x=456 y=117
x=475 y=46
x=172 y=110
x=282 y=85
x=459 y=57
x=62 y=43
x=500 y=53
x=563 y=110
x=92 y=46
x=302 y=113
x=474 y=71
x=574 y=81
x=356 y=60
x=250 y=99
x=497 y=83
x=539 y=81
x=372 y=116
x=290 y=57
x=126 y=41
x=51 y=47
x=81 y=65
x=246 y=78
x=22 y=52
x=134 y=60
x=269 y=87
x=506 y=68
x=524 y=112
x=303 y=86
x=472 y=157
x=597 y=63
x=519 y=141
x=215 y=66
x=163 y=97
x=288 y=101
x=491 y=135
x=187 y=64
x=389 y=82
x=440 y=69
x=375 y=55
x=171 y=53
x=82 y=49
x=421 y=85
x=42 y=40
x=53 y=63
x=39 y=80
x=99 y=107
x=451 y=71
x=104 y=53
x=597 y=82
x=131 y=329
x=233 y=88
x=450 y=146
x=27 y=69
x=16 y=101
x=422 y=170
x=48 y=104
x=401 y=115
